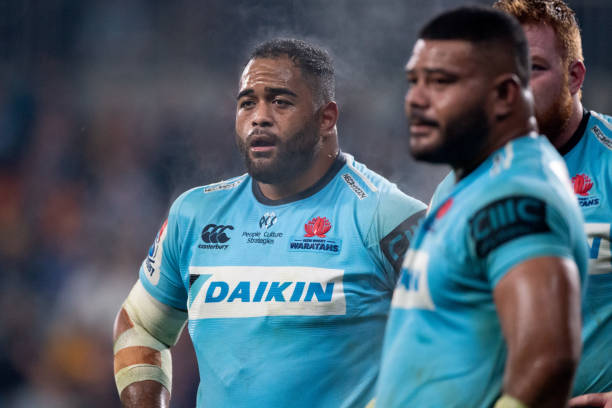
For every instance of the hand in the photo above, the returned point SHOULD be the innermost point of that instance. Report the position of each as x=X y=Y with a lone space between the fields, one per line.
x=601 y=400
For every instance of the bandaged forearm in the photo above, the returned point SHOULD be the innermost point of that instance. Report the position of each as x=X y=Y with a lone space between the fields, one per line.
x=146 y=331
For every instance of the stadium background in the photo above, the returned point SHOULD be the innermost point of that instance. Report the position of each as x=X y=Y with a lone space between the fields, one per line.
x=110 y=109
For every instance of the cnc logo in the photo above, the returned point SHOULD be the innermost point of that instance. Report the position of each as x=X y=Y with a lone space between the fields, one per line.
x=582 y=185
x=505 y=220
x=214 y=235
x=267 y=220
x=317 y=227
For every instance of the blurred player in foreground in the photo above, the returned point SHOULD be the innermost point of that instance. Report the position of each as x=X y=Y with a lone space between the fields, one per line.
x=285 y=274
x=487 y=309
x=584 y=138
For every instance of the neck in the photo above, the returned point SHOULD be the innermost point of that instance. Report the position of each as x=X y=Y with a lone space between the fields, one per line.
x=322 y=162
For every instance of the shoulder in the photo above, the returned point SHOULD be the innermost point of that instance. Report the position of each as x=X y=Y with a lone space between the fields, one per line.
x=531 y=168
x=368 y=185
x=196 y=197
x=599 y=128
x=535 y=166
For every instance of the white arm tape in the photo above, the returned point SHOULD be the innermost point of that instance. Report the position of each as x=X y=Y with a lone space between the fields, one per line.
x=165 y=323
x=143 y=372
x=156 y=326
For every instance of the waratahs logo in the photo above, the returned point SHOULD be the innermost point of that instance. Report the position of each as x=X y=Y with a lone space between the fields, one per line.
x=582 y=186
x=315 y=238
x=317 y=226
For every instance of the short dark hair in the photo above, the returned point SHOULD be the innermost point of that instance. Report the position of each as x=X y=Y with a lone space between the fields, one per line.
x=314 y=62
x=486 y=27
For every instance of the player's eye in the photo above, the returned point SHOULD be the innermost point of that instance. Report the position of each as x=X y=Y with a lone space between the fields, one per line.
x=246 y=104
x=538 y=67
x=441 y=80
x=281 y=103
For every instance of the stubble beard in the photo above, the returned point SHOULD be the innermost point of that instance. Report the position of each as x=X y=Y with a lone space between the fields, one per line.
x=460 y=140
x=291 y=157
x=553 y=121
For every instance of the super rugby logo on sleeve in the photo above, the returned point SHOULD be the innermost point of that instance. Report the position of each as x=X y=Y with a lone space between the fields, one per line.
x=315 y=239
x=253 y=291
x=154 y=258
x=504 y=220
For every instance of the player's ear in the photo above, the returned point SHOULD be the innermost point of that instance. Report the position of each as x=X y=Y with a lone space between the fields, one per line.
x=506 y=90
x=328 y=117
x=576 y=72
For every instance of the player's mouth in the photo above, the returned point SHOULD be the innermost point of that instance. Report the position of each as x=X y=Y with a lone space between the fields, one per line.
x=261 y=141
x=421 y=125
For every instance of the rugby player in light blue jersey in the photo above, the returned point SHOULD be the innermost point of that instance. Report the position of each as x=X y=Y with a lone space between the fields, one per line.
x=584 y=138
x=487 y=309
x=285 y=274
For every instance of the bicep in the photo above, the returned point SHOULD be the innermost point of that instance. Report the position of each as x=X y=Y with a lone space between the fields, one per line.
x=162 y=321
x=144 y=330
x=539 y=296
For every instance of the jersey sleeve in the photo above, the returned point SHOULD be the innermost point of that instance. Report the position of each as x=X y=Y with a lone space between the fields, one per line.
x=395 y=221
x=515 y=228
x=160 y=272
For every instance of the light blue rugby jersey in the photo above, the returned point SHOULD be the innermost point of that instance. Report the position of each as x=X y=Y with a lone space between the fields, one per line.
x=287 y=300
x=443 y=345
x=588 y=156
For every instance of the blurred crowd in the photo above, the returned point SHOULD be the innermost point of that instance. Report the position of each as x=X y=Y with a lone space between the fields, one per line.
x=83 y=191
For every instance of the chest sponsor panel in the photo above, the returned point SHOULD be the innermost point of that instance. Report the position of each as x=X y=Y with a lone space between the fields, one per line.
x=412 y=290
x=256 y=291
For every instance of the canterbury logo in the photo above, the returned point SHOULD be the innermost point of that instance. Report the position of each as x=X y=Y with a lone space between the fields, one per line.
x=582 y=184
x=215 y=234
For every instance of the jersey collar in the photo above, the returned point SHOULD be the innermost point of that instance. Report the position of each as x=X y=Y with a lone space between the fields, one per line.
x=573 y=141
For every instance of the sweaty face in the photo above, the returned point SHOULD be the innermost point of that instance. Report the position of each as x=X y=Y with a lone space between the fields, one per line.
x=445 y=102
x=549 y=81
x=276 y=123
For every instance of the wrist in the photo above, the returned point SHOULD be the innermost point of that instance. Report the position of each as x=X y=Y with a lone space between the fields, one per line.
x=506 y=401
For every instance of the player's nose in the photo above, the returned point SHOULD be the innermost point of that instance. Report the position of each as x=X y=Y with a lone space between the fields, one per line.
x=262 y=115
x=415 y=97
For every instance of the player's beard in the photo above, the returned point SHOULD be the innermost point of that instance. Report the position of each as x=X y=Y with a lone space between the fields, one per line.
x=460 y=140
x=291 y=157
x=555 y=118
